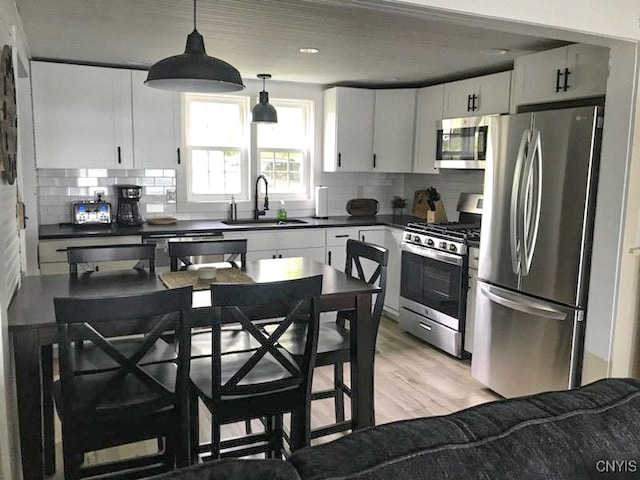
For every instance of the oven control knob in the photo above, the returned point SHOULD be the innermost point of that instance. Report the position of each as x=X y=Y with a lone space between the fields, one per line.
x=407 y=236
x=453 y=248
x=443 y=245
x=417 y=239
x=430 y=243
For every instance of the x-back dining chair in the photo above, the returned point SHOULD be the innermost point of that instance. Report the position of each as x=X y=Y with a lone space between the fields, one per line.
x=260 y=382
x=131 y=400
x=111 y=253
x=181 y=253
x=334 y=342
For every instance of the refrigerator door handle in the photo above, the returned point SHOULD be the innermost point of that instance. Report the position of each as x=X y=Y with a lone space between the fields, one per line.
x=515 y=217
x=522 y=305
x=532 y=200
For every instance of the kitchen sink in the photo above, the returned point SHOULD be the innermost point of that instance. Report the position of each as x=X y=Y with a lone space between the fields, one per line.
x=264 y=221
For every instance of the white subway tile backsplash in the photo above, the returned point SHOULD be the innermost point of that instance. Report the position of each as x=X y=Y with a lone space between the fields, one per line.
x=148 y=182
x=153 y=173
x=87 y=182
x=169 y=173
x=154 y=191
x=97 y=172
x=164 y=182
x=154 y=208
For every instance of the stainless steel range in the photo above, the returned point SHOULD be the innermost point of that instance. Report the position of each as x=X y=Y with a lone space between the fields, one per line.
x=434 y=276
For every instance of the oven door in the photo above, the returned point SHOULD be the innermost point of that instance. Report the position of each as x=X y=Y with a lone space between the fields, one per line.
x=435 y=280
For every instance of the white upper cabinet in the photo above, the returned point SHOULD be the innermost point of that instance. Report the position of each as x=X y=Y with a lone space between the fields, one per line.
x=428 y=112
x=348 y=129
x=477 y=96
x=82 y=116
x=368 y=130
x=566 y=73
x=156 y=125
x=393 y=130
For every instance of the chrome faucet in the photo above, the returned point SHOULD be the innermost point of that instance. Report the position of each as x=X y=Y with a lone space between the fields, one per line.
x=256 y=211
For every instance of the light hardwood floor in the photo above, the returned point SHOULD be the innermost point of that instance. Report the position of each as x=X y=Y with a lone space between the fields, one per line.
x=412 y=380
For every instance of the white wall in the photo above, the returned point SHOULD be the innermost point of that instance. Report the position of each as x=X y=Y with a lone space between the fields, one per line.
x=10 y=246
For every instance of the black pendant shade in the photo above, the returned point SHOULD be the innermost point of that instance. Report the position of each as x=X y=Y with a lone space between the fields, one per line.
x=194 y=70
x=263 y=111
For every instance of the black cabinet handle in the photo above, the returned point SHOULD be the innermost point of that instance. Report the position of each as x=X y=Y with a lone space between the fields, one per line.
x=178 y=151
x=280 y=256
x=468 y=103
x=363 y=238
x=273 y=256
x=345 y=235
x=339 y=159
x=329 y=257
x=558 y=75
x=119 y=155
x=374 y=160
x=474 y=97
x=567 y=72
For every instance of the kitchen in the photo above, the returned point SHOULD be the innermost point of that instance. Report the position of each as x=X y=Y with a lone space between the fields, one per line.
x=343 y=186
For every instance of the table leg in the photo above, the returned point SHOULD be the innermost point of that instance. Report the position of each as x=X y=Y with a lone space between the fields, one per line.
x=27 y=365
x=48 y=426
x=362 y=351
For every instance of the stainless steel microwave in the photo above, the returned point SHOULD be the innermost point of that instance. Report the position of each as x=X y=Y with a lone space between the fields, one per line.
x=462 y=142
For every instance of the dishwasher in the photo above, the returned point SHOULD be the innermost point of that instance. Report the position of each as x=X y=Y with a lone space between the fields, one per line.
x=162 y=240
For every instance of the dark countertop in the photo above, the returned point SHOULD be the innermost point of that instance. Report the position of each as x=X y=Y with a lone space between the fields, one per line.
x=194 y=227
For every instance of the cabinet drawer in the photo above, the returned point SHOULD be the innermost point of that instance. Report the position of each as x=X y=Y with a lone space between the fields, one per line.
x=281 y=239
x=56 y=250
x=337 y=237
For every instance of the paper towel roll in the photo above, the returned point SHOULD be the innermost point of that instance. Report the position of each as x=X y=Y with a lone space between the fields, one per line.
x=322 y=202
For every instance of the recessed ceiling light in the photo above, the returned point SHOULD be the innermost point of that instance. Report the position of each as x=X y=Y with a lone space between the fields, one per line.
x=498 y=51
x=309 y=50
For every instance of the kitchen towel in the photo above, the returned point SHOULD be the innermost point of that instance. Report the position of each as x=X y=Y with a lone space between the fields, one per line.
x=322 y=202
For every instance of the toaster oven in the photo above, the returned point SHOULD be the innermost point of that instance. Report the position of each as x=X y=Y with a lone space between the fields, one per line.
x=91 y=213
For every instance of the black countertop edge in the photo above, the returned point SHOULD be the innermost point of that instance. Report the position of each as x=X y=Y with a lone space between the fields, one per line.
x=195 y=227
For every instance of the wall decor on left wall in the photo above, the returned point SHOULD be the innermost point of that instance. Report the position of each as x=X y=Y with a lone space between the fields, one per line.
x=8 y=119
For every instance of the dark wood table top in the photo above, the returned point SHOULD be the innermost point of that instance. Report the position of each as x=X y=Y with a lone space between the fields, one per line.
x=32 y=307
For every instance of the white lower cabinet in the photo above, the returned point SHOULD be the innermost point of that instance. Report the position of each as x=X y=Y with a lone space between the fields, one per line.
x=52 y=254
x=393 y=239
x=282 y=244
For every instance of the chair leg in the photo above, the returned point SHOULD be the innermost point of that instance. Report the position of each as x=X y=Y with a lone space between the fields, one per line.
x=300 y=435
x=194 y=426
x=338 y=382
x=269 y=430
x=279 y=436
x=215 y=437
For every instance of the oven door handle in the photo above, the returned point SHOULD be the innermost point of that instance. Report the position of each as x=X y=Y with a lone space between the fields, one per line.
x=432 y=254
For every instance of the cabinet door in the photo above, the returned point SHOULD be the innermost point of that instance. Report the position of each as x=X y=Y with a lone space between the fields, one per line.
x=337 y=245
x=393 y=130
x=375 y=236
x=155 y=140
x=589 y=68
x=82 y=116
x=428 y=112
x=314 y=253
x=492 y=94
x=393 y=239
x=458 y=101
x=348 y=129
x=535 y=76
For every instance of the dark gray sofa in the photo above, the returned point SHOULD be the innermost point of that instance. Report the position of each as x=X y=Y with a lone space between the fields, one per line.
x=589 y=432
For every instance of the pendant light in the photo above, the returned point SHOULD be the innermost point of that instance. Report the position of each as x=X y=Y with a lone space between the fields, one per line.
x=263 y=111
x=194 y=70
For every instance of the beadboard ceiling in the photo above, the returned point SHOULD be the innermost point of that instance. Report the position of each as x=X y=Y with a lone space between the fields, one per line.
x=361 y=42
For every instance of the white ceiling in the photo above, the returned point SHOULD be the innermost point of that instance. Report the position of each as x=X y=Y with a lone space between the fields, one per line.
x=361 y=42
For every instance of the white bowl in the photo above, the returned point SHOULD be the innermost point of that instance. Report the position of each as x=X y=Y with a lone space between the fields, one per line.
x=207 y=273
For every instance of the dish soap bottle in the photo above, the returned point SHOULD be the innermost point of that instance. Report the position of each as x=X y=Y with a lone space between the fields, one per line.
x=282 y=213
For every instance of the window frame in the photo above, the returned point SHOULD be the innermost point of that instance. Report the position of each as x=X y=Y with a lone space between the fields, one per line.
x=244 y=149
x=308 y=164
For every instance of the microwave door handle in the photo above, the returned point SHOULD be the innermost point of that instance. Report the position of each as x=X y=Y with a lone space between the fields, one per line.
x=533 y=200
x=514 y=217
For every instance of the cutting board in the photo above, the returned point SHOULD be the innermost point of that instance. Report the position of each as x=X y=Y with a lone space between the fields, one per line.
x=421 y=208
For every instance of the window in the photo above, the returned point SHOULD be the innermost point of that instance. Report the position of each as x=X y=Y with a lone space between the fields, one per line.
x=219 y=164
x=217 y=147
x=284 y=149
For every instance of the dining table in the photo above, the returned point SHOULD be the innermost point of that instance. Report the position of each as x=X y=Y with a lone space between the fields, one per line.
x=33 y=332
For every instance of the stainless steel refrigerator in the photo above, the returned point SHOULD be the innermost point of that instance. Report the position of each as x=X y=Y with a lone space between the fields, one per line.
x=533 y=275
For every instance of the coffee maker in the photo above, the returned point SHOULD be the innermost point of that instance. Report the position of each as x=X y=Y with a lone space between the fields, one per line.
x=129 y=205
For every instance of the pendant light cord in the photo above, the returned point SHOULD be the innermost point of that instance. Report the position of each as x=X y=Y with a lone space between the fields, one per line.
x=194 y=14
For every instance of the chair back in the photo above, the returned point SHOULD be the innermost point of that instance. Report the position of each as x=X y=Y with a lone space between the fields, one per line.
x=243 y=305
x=110 y=253
x=184 y=250
x=130 y=384
x=378 y=257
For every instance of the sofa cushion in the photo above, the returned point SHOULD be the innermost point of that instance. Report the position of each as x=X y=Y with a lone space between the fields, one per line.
x=556 y=435
x=235 y=469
